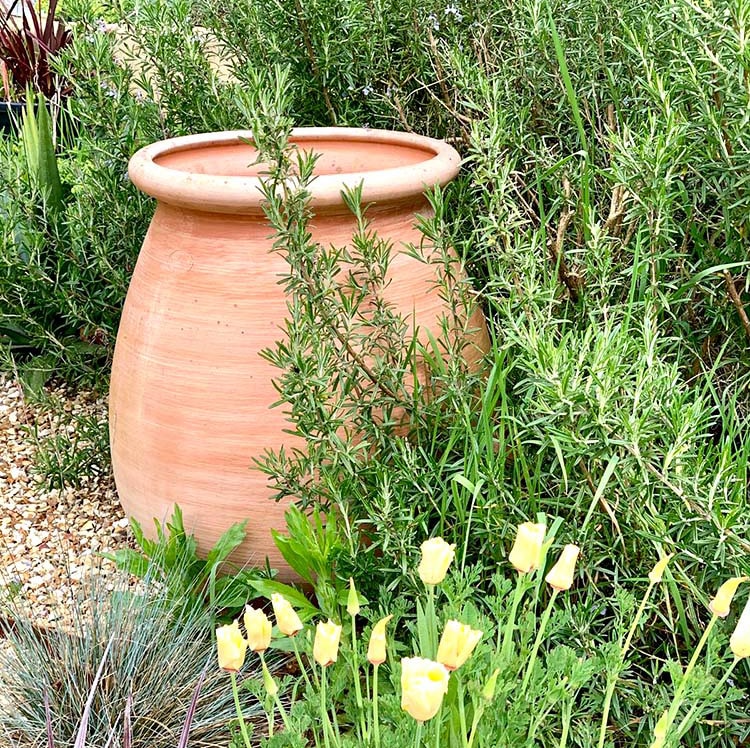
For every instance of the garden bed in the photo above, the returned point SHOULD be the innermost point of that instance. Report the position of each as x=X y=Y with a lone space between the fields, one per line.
x=601 y=214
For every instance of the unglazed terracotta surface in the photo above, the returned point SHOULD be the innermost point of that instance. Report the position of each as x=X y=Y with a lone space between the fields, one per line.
x=190 y=399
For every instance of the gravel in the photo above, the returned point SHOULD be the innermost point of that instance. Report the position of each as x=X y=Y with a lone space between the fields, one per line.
x=52 y=538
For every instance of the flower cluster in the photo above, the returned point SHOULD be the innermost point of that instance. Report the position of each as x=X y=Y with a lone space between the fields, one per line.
x=424 y=680
x=425 y=677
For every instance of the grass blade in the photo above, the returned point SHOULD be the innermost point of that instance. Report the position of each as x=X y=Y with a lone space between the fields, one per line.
x=80 y=741
x=127 y=727
x=191 y=711
x=567 y=82
x=48 y=720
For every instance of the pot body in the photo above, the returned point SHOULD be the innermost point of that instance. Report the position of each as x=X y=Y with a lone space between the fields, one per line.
x=190 y=399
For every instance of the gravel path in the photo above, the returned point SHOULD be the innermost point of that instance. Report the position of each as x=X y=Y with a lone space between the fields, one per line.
x=49 y=537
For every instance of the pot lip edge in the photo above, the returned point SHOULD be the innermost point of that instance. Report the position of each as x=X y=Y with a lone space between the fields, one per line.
x=233 y=194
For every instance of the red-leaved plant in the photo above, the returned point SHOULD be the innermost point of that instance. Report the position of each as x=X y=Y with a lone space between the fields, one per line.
x=27 y=46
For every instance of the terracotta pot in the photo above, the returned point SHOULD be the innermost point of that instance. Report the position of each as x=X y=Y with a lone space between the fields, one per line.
x=190 y=396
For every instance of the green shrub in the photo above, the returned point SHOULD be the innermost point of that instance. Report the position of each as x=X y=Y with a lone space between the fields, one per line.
x=211 y=585
x=592 y=409
x=645 y=91
x=78 y=447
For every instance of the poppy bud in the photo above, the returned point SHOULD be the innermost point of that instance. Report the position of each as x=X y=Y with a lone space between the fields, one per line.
x=326 y=644
x=231 y=647
x=257 y=628
x=287 y=620
x=720 y=604
x=352 y=602
x=376 y=650
x=739 y=642
x=527 y=549
x=436 y=558
x=456 y=644
x=655 y=575
x=561 y=574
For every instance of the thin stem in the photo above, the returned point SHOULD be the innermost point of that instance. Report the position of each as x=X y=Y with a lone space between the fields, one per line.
x=437 y=720
x=511 y=622
x=368 y=693
x=243 y=727
x=688 y=718
x=613 y=678
x=357 y=685
x=474 y=724
x=431 y=621
x=636 y=621
x=608 y=694
x=302 y=668
x=691 y=665
x=335 y=722
x=324 y=709
x=277 y=700
x=566 y=719
x=680 y=693
x=375 y=722
x=461 y=709
x=537 y=721
x=282 y=711
x=537 y=642
x=418 y=735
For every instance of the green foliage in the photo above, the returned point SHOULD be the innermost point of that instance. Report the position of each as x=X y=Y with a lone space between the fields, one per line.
x=189 y=580
x=598 y=406
x=508 y=692
x=77 y=449
x=36 y=136
x=71 y=439
x=311 y=549
x=61 y=289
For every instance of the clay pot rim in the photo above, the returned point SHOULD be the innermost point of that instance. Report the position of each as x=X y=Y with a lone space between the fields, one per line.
x=233 y=194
